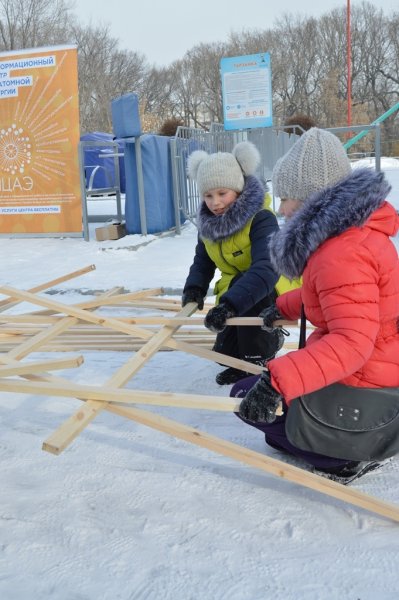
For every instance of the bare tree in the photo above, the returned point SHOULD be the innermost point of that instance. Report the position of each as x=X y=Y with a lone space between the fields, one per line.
x=308 y=58
x=33 y=23
x=105 y=72
x=158 y=98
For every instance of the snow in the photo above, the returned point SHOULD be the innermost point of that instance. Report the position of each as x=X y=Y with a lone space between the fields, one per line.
x=128 y=513
x=390 y=167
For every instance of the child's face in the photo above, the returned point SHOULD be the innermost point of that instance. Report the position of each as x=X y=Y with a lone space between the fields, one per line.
x=219 y=200
x=288 y=207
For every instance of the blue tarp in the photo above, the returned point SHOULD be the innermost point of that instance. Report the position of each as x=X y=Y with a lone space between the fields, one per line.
x=156 y=170
x=104 y=168
x=158 y=188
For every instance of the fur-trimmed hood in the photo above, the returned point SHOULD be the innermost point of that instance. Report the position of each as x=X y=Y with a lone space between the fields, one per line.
x=324 y=215
x=248 y=203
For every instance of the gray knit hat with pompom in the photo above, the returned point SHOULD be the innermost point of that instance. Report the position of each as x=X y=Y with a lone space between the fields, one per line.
x=223 y=169
x=316 y=161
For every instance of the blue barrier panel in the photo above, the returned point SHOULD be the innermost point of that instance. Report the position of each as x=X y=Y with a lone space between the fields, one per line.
x=158 y=188
x=125 y=116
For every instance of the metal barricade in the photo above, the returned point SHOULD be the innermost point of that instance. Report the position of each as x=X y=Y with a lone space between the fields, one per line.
x=272 y=143
x=88 y=192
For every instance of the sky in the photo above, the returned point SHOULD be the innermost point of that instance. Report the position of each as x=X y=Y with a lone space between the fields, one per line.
x=165 y=31
x=129 y=513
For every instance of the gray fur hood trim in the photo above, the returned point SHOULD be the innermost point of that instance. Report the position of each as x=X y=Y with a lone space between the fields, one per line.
x=326 y=214
x=248 y=203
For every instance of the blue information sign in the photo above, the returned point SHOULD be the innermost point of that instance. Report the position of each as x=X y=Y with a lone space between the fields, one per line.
x=247 y=91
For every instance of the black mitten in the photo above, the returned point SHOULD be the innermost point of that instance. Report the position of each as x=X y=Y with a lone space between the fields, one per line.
x=193 y=294
x=276 y=339
x=269 y=315
x=216 y=318
x=261 y=402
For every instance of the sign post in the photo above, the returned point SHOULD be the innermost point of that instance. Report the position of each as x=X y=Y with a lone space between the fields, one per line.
x=39 y=135
x=247 y=91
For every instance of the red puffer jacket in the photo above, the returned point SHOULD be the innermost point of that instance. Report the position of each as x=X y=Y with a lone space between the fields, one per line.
x=351 y=294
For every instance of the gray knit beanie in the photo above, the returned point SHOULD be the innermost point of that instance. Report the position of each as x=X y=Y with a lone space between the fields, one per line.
x=223 y=169
x=316 y=161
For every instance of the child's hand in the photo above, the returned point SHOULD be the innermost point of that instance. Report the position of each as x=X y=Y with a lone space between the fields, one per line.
x=216 y=318
x=261 y=402
x=193 y=294
x=269 y=315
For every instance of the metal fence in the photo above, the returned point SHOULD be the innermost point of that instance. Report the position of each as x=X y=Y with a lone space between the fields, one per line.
x=113 y=180
x=272 y=143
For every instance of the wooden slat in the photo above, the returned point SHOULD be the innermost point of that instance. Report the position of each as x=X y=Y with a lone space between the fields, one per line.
x=253 y=459
x=240 y=321
x=119 y=299
x=105 y=394
x=8 y=303
x=41 y=366
x=67 y=432
x=131 y=329
x=34 y=343
x=270 y=465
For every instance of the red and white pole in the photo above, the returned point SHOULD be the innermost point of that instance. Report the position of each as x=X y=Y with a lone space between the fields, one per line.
x=348 y=59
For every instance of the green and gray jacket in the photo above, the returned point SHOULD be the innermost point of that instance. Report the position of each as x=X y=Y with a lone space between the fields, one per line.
x=236 y=243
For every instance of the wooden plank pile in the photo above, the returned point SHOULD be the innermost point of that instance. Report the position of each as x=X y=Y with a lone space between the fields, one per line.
x=59 y=327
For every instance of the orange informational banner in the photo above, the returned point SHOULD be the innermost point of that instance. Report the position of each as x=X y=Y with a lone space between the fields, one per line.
x=39 y=136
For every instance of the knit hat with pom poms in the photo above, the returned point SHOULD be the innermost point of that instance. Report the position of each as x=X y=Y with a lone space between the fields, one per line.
x=223 y=169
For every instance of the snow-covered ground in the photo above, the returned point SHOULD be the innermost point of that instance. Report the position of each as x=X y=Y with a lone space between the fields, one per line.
x=127 y=513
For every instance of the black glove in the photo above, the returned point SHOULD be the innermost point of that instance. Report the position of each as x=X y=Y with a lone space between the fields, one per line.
x=269 y=315
x=261 y=402
x=193 y=294
x=215 y=320
x=276 y=339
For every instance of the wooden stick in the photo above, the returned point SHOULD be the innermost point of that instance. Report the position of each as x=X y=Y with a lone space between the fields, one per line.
x=110 y=394
x=273 y=466
x=41 y=366
x=249 y=457
x=240 y=321
x=67 y=432
x=131 y=329
x=157 y=304
x=33 y=343
x=253 y=459
x=276 y=467
x=29 y=318
x=119 y=299
x=8 y=303
x=260 y=461
x=102 y=299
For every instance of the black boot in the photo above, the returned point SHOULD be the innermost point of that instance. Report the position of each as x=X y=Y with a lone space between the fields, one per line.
x=232 y=375
x=349 y=472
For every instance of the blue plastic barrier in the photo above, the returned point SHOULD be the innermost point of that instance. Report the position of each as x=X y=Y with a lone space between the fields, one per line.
x=158 y=187
x=157 y=198
x=125 y=116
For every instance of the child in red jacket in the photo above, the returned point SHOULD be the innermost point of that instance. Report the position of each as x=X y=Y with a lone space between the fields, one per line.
x=338 y=240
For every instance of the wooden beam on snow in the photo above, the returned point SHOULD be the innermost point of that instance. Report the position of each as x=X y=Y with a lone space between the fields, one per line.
x=257 y=460
x=106 y=394
x=276 y=467
x=41 y=366
x=67 y=432
x=8 y=303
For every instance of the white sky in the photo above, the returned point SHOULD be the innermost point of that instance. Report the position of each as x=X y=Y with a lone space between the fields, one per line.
x=164 y=30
